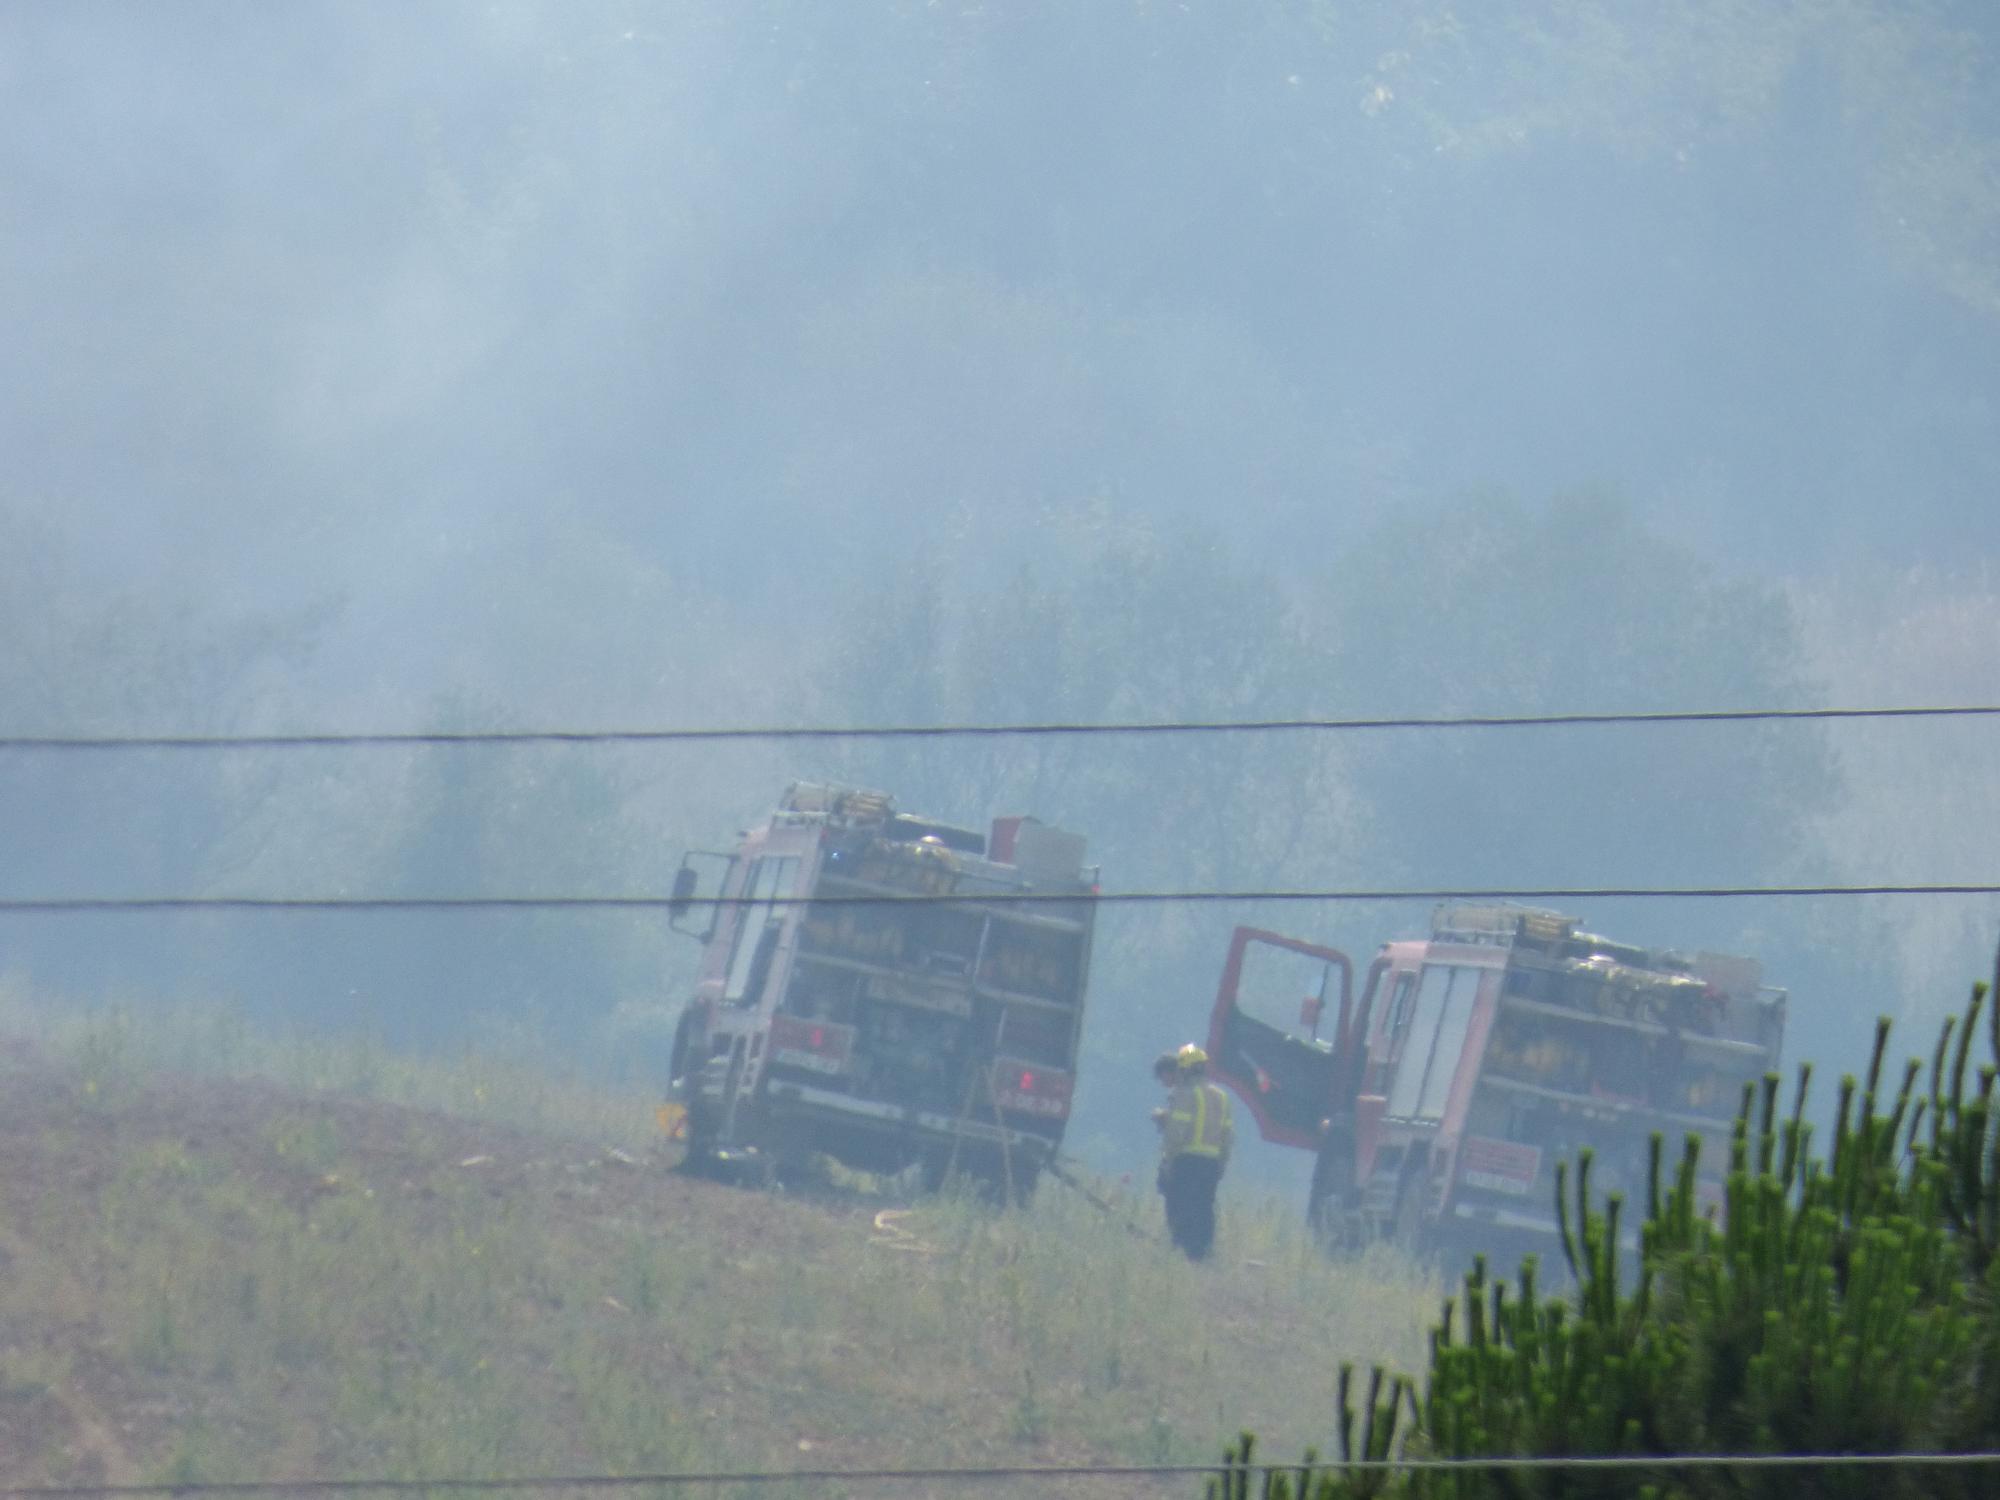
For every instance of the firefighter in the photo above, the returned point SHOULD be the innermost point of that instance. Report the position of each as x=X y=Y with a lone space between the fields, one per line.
x=1195 y=1137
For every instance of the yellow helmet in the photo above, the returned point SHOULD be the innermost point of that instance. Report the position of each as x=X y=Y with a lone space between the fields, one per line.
x=1190 y=1056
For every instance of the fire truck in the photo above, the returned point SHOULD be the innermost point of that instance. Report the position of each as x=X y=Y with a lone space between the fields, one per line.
x=873 y=986
x=1473 y=1060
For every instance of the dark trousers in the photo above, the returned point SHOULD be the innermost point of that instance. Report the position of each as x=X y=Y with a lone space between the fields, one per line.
x=1188 y=1183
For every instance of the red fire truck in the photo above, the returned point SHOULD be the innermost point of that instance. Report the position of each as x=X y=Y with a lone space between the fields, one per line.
x=1476 y=1058
x=873 y=987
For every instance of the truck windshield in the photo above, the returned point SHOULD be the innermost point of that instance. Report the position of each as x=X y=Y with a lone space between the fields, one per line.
x=757 y=927
x=1436 y=1037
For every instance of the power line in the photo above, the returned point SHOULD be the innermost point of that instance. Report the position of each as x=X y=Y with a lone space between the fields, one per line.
x=79 y=904
x=1506 y=1463
x=389 y=739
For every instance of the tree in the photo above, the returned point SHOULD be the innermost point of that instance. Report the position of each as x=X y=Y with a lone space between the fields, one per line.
x=81 y=663
x=1120 y=622
x=1490 y=606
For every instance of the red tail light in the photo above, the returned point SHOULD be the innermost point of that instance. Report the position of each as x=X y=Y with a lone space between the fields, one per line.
x=1031 y=1091
x=821 y=1046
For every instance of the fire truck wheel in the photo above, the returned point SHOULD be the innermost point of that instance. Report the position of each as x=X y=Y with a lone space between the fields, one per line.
x=1026 y=1175
x=932 y=1171
x=988 y=1180
x=700 y=1160
x=1406 y=1224
x=1332 y=1192
x=683 y=1039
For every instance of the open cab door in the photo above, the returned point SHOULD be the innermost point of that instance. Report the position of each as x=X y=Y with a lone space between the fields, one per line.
x=1283 y=1036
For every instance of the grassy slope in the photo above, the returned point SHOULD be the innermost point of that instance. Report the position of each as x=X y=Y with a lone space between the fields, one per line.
x=258 y=1277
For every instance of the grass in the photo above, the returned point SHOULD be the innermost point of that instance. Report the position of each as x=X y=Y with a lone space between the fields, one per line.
x=311 y=1280
x=522 y=1087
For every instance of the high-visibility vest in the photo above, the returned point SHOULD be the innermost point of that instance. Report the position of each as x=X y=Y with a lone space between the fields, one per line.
x=1198 y=1122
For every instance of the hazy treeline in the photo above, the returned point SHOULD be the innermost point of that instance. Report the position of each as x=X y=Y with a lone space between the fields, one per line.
x=527 y=365
x=1123 y=621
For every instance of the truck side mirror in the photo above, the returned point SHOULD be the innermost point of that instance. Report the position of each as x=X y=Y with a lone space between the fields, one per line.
x=683 y=896
x=1309 y=1013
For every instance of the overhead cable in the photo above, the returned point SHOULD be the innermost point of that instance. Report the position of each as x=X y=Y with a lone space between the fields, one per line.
x=690 y=1478
x=78 y=904
x=1033 y=729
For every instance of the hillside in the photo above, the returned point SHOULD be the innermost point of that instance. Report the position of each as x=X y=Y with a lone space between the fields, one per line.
x=234 y=1277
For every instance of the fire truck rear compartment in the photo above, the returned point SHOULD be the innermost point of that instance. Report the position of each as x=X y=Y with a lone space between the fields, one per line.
x=942 y=1029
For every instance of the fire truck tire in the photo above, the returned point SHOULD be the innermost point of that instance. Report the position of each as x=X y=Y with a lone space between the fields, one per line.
x=707 y=1121
x=932 y=1171
x=1026 y=1176
x=989 y=1179
x=1331 y=1196
x=1406 y=1223
x=700 y=1160
x=940 y=1168
x=677 y=1060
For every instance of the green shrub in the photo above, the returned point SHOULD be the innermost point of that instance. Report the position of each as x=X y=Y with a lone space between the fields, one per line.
x=1844 y=1304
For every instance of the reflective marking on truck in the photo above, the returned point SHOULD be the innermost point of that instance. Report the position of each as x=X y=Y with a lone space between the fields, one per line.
x=811 y=1061
x=1034 y=1104
x=817 y=1046
x=1507 y=1218
x=1030 y=1090
x=969 y=1129
x=1499 y=1166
